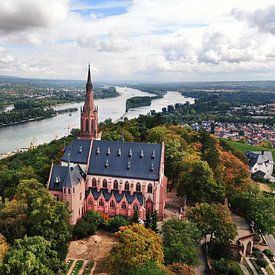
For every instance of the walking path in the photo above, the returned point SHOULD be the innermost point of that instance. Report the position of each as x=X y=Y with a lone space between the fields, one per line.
x=242 y=226
x=271 y=242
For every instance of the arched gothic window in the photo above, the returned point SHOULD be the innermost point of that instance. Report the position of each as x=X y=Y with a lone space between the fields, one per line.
x=112 y=204
x=101 y=202
x=115 y=184
x=87 y=125
x=126 y=187
x=104 y=183
x=135 y=207
x=94 y=182
x=138 y=187
x=123 y=205
x=150 y=188
x=92 y=125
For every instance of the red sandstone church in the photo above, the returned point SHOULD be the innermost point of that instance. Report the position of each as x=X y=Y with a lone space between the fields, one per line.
x=111 y=177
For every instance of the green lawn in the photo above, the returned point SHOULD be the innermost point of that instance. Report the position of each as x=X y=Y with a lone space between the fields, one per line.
x=243 y=147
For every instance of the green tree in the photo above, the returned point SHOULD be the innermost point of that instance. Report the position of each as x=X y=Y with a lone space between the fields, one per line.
x=215 y=220
x=32 y=255
x=173 y=156
x=116 y=222
x=4 y=247
x=181 y=242
x=258 y=207
x=13 y=220
x=150 y=268
x=198 y=183
x=94 y=217
x=83 y=229
x=135 y=217
x=209 y=150
x=47 y=217
x=137 y=246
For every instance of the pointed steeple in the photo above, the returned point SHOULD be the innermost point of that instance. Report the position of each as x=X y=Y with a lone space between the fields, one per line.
x=89 y=116
x=89 y=85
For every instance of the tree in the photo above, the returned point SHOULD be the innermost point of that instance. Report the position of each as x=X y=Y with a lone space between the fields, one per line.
x=4 y=247
x=257 y=207
x=116 y=222
x=234 y=173
x=94 y=217
x=47 y=217
x=13 y=220
x=181 y=269
x=215 y=220
x=151 y=220
x=137 y=246
x=173 y=156
x=181 y=242
x=210 y=152
x=83 y=229
x=135 y=217
x=32 y=255
x=150 y=268
x=198 y=183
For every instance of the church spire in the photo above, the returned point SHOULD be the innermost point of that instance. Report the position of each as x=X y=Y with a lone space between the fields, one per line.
x=89 y=115
x=89 y=85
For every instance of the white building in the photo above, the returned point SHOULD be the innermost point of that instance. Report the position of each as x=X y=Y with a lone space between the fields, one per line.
x=261 y=163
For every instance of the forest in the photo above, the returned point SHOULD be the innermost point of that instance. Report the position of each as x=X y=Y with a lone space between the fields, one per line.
x=197 y=165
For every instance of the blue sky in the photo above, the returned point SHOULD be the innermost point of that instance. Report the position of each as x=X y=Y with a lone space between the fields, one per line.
x=139 y=40
x=102 y=8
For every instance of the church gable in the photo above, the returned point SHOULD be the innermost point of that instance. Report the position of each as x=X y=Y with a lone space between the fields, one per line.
x=65 y=176
x=77 y=151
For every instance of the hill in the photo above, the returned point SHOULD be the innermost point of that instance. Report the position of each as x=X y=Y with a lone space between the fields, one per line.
x=243 y=147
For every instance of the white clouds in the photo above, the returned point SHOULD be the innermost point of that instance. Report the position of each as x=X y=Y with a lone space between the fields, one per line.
x=18 y=15
x=112 y=42
x=263 y=19
x=167 y=40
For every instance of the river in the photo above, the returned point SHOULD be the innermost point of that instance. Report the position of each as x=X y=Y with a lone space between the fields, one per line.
x=43 y=131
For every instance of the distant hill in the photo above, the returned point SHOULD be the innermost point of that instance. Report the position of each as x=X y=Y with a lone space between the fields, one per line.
x=49 y=83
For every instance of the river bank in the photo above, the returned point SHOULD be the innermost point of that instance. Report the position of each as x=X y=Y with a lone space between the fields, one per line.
x=45 y=130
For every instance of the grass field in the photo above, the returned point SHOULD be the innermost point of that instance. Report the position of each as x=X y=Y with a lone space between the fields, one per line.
x=246 y=147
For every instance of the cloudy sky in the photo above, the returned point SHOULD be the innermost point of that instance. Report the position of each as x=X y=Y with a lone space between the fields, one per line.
x=138 y=40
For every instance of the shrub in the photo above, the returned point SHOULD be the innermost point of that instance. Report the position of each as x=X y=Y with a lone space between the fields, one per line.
x=181 y=269
x=116 y=222
x=234 y=269
x=149 y=268
x=83 y=229
x=268 y=253
x=95 y=217
x=69 y=264
x=220 y=266
x=257 y=253
x=88 y=268
x=262 y=262
x=77 y=267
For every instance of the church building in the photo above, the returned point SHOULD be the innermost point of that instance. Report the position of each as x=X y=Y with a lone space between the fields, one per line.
x=111 y=177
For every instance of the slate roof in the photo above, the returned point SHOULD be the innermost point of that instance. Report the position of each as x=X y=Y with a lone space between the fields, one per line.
x=78 y=150
x=107 y=195
x=65 y=176
x=259 y=157
x=125 y=159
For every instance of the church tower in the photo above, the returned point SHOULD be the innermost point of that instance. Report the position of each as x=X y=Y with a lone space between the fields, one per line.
x=89 y=114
